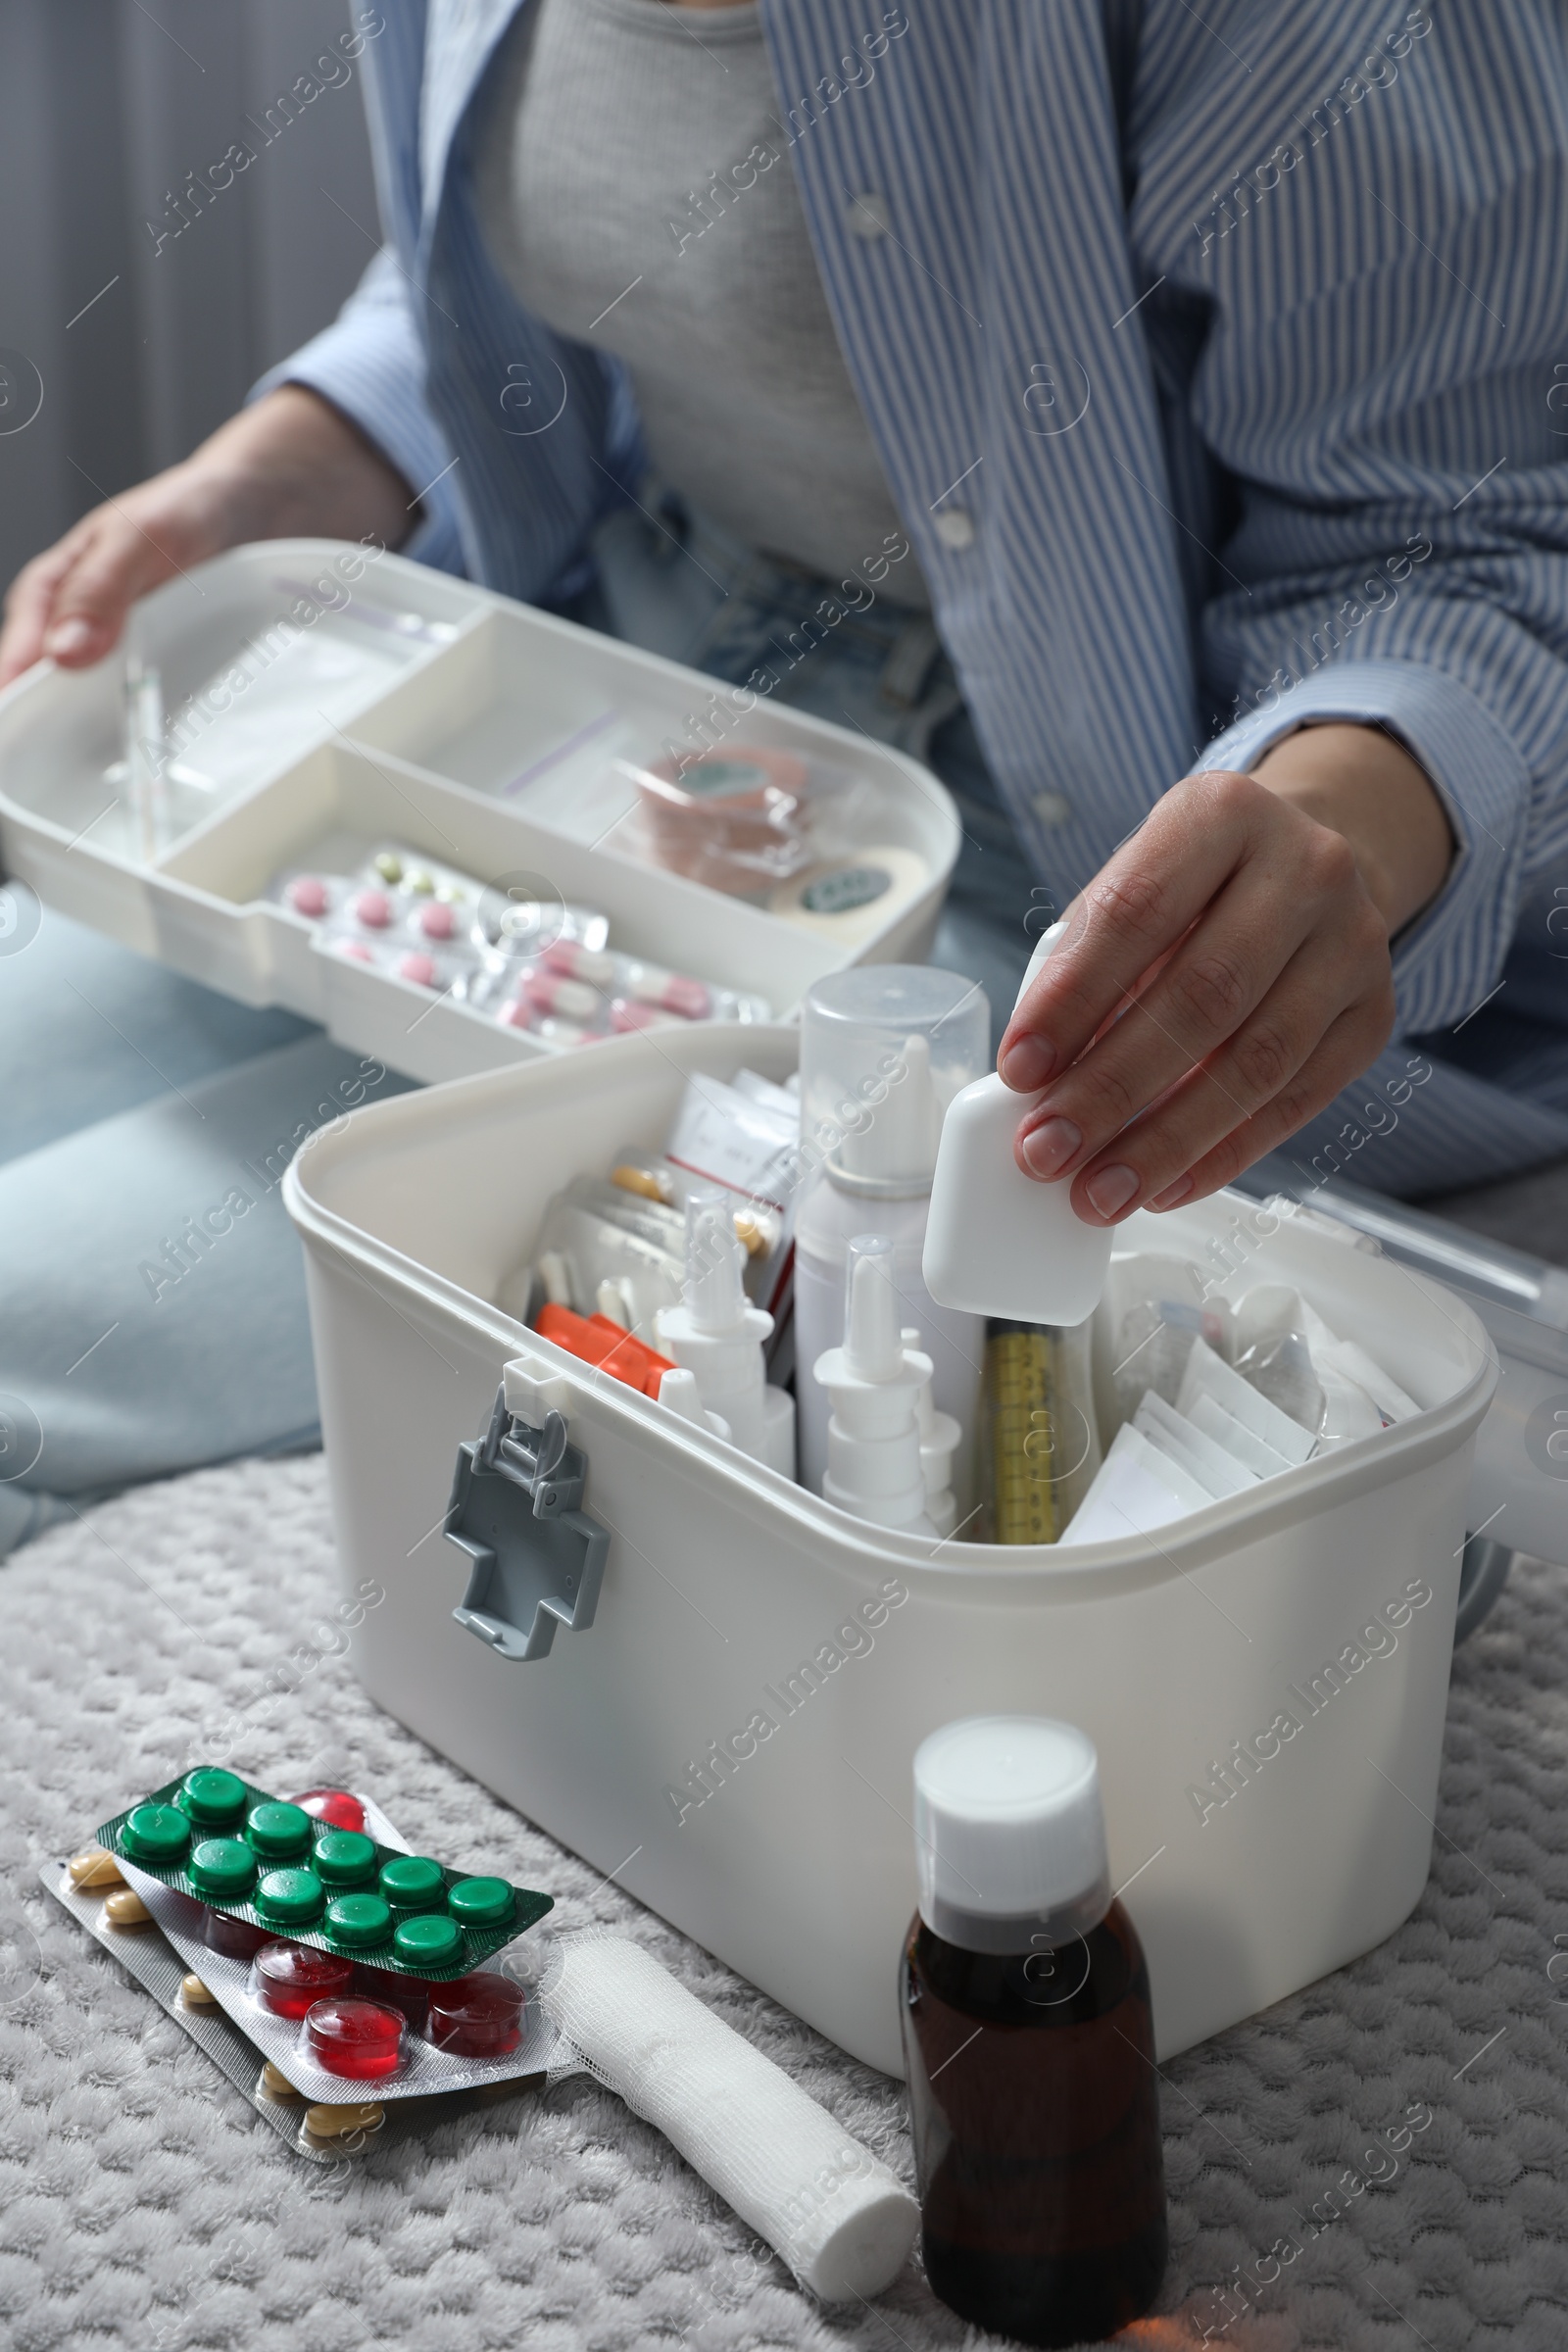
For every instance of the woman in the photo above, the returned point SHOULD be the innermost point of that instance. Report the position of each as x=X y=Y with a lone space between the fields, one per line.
x=1043 y=388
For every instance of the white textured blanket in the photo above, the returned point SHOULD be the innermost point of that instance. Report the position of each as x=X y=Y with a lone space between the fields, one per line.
x=1384 y=2156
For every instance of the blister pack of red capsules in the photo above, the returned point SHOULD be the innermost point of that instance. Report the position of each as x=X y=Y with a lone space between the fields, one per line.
x=336 y=2029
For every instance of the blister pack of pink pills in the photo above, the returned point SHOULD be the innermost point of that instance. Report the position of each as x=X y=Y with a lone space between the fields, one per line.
x=408 y=916
x=524 y=960
x=598 y=992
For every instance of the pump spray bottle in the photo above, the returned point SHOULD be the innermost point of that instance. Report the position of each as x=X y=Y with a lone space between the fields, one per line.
x=884 y=1048
x=718 y=1334
x=874 y=1464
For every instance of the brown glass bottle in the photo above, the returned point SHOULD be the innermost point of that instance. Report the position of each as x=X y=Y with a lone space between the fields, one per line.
x=1034 y=2105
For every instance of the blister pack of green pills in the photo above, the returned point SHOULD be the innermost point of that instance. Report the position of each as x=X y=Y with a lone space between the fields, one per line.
x=232 y=1846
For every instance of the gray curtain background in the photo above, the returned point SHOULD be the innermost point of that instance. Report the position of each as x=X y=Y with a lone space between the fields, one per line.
x=105 y=107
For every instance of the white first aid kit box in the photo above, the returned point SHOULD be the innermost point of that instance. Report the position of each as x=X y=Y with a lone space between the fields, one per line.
x=732 y=1734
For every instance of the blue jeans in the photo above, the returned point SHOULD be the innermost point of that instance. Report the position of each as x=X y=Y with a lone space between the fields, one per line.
x=154 y=1310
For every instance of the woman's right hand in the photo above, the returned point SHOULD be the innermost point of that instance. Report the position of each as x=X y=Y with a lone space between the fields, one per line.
x=291 y=465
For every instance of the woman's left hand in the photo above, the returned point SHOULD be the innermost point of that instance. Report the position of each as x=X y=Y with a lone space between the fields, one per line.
x=1226 y=974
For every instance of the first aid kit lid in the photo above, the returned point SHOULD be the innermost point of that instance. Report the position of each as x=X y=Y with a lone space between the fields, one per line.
x=1010 y=1834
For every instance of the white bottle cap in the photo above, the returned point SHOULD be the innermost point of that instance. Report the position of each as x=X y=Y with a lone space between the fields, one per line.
x=884 y=1048
x=1009 y=1835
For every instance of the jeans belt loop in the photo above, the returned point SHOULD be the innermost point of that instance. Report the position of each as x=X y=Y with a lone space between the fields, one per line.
x=908 y=665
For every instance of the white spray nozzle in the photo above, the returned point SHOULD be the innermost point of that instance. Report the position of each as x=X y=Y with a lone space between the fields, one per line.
x=714 y=1290
x=873 y=1340
x=679 y=1390
x=612 y=1300
x=901 y=1132
x=716 y=1334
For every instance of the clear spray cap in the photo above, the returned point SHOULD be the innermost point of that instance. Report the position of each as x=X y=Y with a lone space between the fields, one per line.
x=884 y=1048
x=714 y=1290
x=873 y=1337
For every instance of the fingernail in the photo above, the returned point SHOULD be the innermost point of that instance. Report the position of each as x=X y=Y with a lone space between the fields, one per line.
x=1048 y=1150
x=1174 y=1194
x=69 y=637
x=1110 y=1188
x=1027 y=1064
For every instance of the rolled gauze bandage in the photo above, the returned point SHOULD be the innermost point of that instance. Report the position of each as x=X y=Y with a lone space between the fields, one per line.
x=841 y=2220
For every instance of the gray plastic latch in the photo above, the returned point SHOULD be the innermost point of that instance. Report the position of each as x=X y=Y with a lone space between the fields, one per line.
x=537 y=1557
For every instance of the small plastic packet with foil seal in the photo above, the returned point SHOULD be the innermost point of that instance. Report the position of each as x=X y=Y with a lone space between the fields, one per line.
x=743 y=818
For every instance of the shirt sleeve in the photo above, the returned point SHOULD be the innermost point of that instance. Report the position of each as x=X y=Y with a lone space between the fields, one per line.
x=1458 y=645
x=370 y=363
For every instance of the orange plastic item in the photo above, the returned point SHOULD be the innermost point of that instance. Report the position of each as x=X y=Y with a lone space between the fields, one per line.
x=599 y=1341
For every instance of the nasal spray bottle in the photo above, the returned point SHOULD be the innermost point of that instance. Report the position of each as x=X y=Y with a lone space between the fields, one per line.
x=874 y=1383
x=718 y=1334
x=884 y=1048
x=997 y=1241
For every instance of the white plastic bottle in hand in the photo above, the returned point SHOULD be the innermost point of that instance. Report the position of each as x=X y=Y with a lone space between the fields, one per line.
x=997 y=1241
x=874 y=1384
x=884 y=1048
x=716 y=1334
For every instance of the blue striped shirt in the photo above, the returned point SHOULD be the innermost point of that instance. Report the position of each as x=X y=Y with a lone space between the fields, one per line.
x=1217 y=361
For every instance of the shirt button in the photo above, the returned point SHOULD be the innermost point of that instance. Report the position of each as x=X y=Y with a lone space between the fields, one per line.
x=956 y=528
x=1051 y=807
x=869 y=216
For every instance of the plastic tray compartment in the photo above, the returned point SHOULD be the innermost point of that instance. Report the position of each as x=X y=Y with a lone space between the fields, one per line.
x=528 y=709
x=337 y=806
x=261 y=653
x=378 y=701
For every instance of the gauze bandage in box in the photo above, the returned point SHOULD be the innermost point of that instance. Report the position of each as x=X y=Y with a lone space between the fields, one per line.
x=1134 y=1490
x=1208 y=1415
x=1206 y=1375
x=841 y=2220
x=1352 y=1358
x=1359 y=1396
x=1221 y=1473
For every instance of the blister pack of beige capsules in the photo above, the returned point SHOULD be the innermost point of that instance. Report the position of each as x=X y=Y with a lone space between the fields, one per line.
x=388 y=2071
